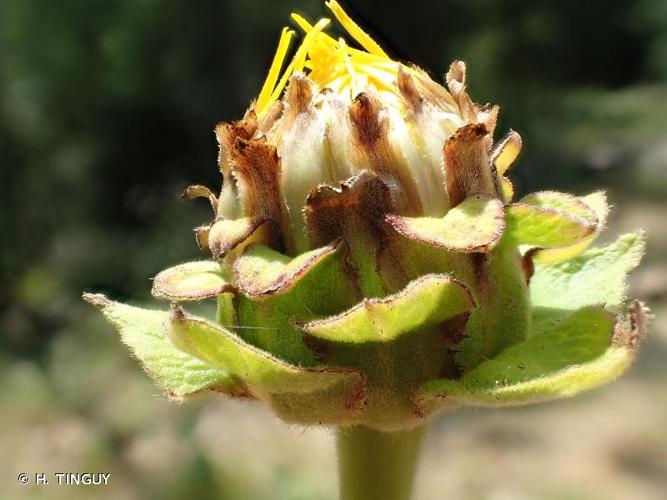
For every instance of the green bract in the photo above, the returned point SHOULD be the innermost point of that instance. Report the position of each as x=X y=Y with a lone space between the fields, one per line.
x=369 y=266
x=387 y=362
x=451 y=326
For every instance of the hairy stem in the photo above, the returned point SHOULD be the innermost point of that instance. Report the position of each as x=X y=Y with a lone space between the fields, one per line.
x=375 y=465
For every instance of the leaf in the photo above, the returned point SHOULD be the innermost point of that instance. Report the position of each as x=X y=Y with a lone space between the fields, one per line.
x=177 y=373
x=597 y=202
x=595 y=277
x=201 y=237
x=583 y=336
x=425 y=302
x=262 y=271
x=199 y=191
x=353 y=212
x=564 y=383
x=228 y=234
x=191 y=281
x=506 y=189
x=474 y=225
x=278 y=290
x=257 y=168
x=506 y=151
x=573 y=357
x=543 y=227
x=262 y=372
x=561 y=202
x=403 y=260
x=466 y=156
x=502 y=317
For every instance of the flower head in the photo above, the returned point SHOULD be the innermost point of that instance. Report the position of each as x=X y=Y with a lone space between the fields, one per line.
x=337 y=110
x=368 y=263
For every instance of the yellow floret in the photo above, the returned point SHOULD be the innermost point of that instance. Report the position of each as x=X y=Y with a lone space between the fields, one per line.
x=330 y=63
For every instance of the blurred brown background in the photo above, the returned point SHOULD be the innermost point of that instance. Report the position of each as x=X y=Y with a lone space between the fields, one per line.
x=106 y=114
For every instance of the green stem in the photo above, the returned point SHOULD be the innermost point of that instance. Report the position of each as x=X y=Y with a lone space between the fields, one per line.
x=375 y=465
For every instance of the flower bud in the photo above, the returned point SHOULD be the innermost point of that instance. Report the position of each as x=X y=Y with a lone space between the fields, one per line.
x=368 y=263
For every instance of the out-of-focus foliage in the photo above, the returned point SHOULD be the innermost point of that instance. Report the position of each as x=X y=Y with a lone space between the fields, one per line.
x=106 y=113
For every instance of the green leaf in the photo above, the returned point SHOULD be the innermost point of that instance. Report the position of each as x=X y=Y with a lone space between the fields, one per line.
x=561 y=202
x=191 y=281
x=506 y=151
x=597 y=202
x=177 y=373
x=474 y=225
x=226 y=235
x=573 y=357
x=582 y=336
x=595 y=277
x=564 y=383
x=506 y=189
x=503 y=315
x=425 y=302
x=262 y=271
x=543 y=227
x=261 y=371
x=278 y=290
x=403 y=260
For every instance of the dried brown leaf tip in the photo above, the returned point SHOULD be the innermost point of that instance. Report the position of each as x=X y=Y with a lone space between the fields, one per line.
x=256 y=167
x=467 y=168
x=199 y=191
x=409 y=90
x=96 y=300
x=298 y=94
x=630 y=331
x=374 y=152
x=358 y=204
x=228 y=133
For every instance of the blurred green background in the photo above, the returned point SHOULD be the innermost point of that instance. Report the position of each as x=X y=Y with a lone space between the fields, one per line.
x=106 y=113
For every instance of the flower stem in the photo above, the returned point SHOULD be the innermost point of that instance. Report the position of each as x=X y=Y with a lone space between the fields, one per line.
x=375 y=465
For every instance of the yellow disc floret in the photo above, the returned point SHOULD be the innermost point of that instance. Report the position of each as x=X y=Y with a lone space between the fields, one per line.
x=330 y=63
